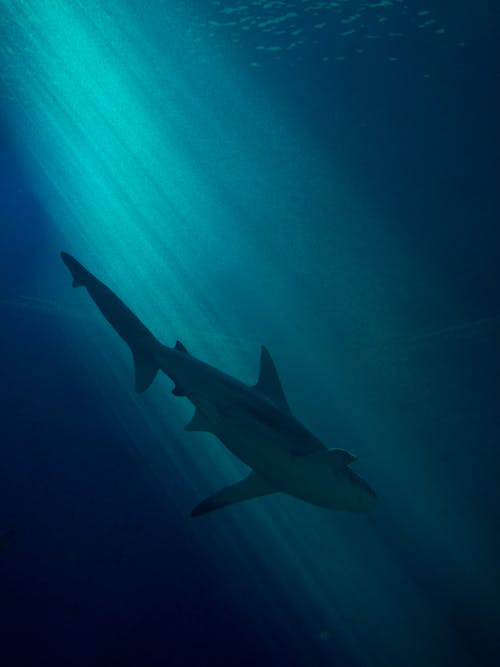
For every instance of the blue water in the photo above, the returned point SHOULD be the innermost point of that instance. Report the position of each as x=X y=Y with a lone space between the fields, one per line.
x=319 y=177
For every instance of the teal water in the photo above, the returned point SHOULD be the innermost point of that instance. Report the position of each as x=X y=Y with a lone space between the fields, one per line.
x=320 y=177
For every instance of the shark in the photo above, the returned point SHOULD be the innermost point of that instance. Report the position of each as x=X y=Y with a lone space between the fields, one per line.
x=255 y=423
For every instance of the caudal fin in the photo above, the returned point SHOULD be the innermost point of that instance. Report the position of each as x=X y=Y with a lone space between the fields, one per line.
x=141 y=341
x=145 y=369
x=78 y=272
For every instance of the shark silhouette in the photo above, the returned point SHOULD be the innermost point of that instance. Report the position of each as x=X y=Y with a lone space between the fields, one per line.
x=254 y=422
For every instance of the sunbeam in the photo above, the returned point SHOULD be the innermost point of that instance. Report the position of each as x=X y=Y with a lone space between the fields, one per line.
x=166 y=160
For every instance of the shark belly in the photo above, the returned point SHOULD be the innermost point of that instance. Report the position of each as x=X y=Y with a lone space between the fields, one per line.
x=274 y=446
x=270 y=454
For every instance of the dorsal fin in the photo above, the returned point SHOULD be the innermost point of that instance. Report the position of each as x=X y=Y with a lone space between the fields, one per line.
x=180 y=347
x=269 y=383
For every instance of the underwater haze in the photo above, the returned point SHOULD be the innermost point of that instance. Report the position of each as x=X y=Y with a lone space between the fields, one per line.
x=318 y=177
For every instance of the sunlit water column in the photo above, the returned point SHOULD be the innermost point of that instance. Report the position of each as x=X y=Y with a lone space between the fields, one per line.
x=177 y=179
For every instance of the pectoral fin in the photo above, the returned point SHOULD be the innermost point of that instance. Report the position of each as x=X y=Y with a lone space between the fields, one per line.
x=252 y=486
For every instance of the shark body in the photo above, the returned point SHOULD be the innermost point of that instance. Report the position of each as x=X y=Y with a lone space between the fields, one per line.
x=254 y=422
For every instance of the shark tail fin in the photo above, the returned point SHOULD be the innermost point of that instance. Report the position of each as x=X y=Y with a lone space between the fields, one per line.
x=129 y=327
x=78 y=272
x=145 y=369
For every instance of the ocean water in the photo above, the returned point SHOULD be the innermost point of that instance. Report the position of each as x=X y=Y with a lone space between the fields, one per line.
x=318 y=177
